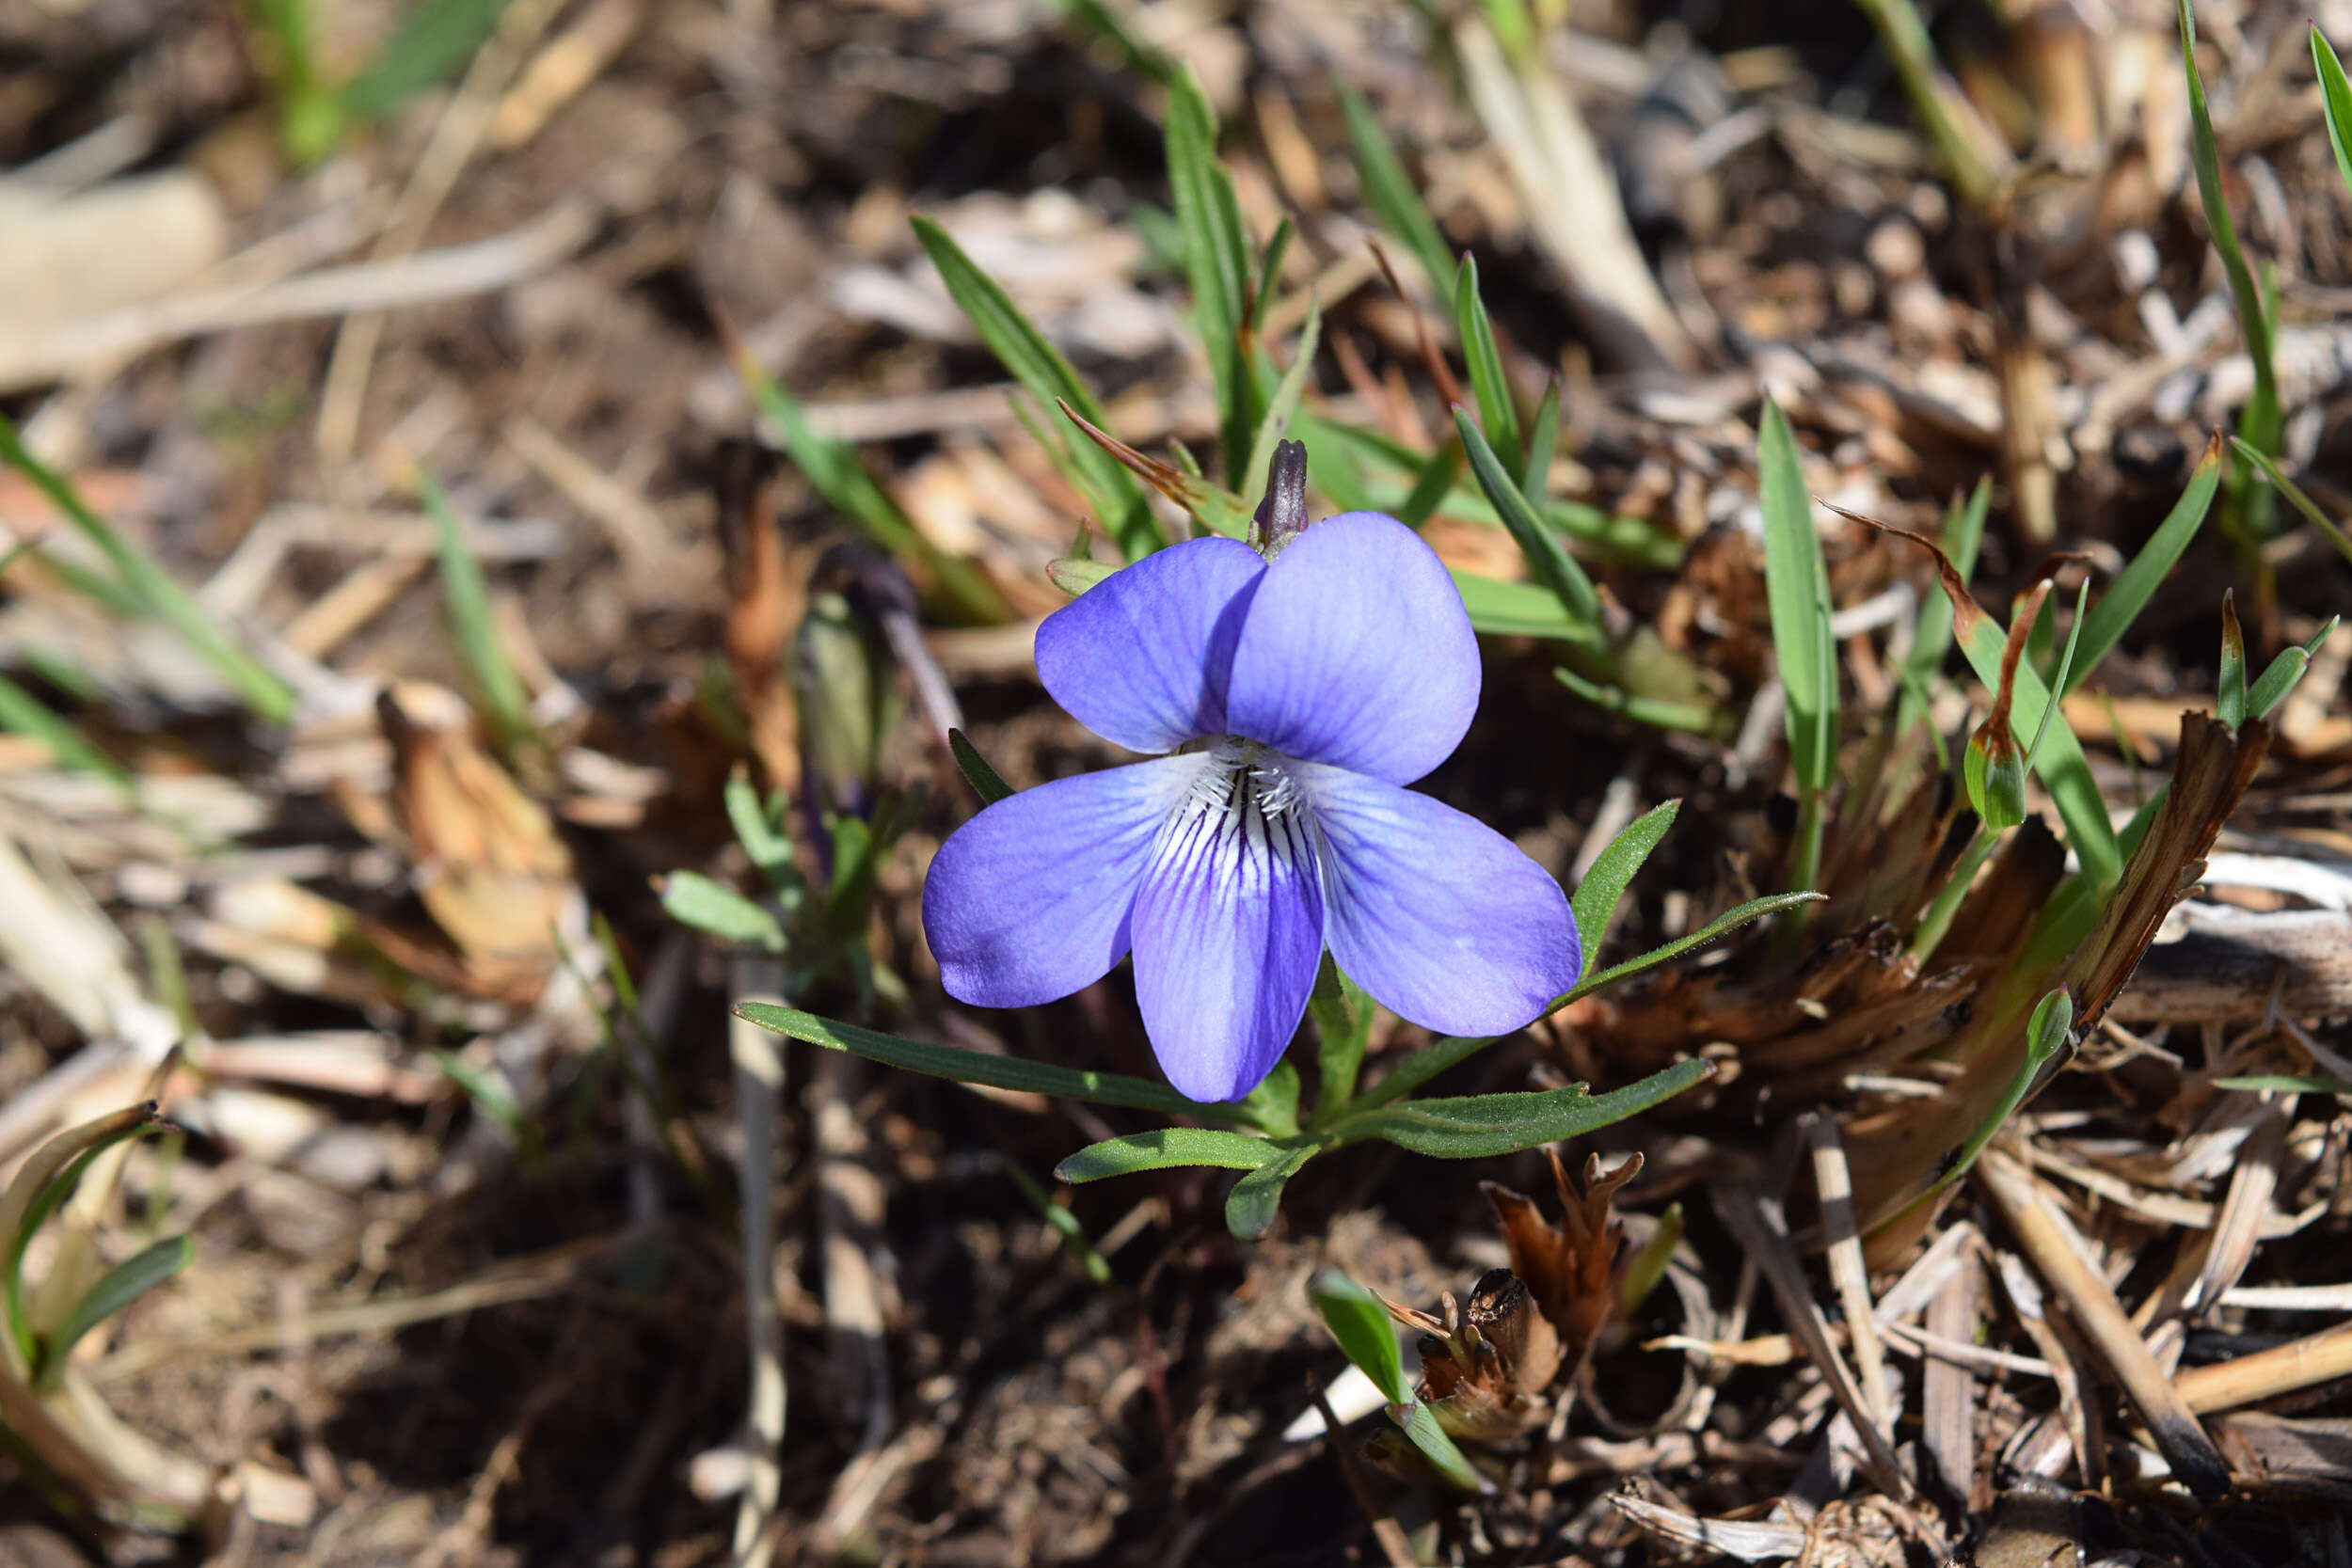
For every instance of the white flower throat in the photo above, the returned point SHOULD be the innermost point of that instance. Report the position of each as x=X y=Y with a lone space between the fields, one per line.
x=1243 y=778
x=1244 y=811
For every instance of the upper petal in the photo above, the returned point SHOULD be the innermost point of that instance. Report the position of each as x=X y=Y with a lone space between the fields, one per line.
x=1141 y=657
x=1439 y=916
x=1029 y=900
x=1229 y=935
x=1357 y=652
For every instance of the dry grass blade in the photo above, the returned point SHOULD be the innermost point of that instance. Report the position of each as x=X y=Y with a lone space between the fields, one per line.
x=2047 y=1240
x=1755 y=1222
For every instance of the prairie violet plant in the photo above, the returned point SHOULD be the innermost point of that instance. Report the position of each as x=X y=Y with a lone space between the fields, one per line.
x=1285 y=700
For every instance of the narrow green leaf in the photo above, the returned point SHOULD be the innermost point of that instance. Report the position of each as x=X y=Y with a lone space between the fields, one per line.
x=1597 y=896
x=1284 y=403
x=1273 y=1105
x=505 y=706
x=117 y=1288
x=2259 y=422
x=2121 y=605
x=1543 y=440
x=1657 y=712
x=1480 y=1126
x=1063 y=1223
x=1164 y=1148
x=1419 y=1424
x=2230 y=691
x=979 y=1067
x=1491 y=385
x=1796 y=584
x=21 y=713
x=44 y=1180
x=1721 y=925
x=1217 y=260
x=1270 y=273
x=1115 y=493
x=2336 y=100
x=985 y=780
x=155 y=591
x=1500 y=608
x=1365 y=1332
x=1390 y=191
x=2284 y=671
x=716 y=909
x=2328 y=526
x=1547 y=556
x=833 y=469
x=2065 y=666
x=1436 y=479
x=2286 y=1083
x=433 y=44
x=1251 y=1207
x=1133 y=53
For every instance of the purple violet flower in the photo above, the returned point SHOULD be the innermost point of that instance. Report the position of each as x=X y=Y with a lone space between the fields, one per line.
x=1286 y=705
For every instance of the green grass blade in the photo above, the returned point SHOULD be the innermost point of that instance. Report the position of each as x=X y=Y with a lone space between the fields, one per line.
x=1390 y=191
x=21 y=713
x=2121 y=605
x=2259 y=423
x=833 y=469
x=1270 y=273
x=1613 y=869
x=2336 y=100
x=985 y=780
x=506 y=705
x=1500 y=608
x=2329 y=529
x=1105 y=23
x=1032 y=359
x=153 y=589
x=2230 y=691
x=716 y=910
x=1797 y=588
x=1489 y=383
x=1436 y=480
x=436 y=42
x=1217 y=260
x=1543 y=440
x=979 y=1067
x=1164 y=1148
x=1547 y=556
x=2284 y=671
x=1284 y=403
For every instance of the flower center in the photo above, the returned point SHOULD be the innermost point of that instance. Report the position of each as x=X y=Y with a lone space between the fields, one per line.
x=1244 y=779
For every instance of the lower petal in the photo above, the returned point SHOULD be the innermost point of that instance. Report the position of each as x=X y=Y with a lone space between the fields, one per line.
x=1439 y=916
x=1029 y=900
x=1227 y=935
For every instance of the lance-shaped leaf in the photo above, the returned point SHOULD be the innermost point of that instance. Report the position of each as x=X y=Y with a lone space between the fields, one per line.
x=694 y=900
x=1480 y=1126
x=1597 y=896
x=985 y=780
x=2335 y=96
x=1497 y=410
x=1390 y=191
x=1361 y=1323
x=1796 y=585
x=1286 y=395
x=979 y=1067
x=2319 y=520
x=117 y=1288
x=43 y=1183
x=1164 y=1148
x=1251 y=1207
x=2284 y=671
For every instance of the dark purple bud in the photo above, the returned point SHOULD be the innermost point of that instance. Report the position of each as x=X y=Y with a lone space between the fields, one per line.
x=1282 y=515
